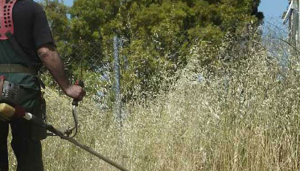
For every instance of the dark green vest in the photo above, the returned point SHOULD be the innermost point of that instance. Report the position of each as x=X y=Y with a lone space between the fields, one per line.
x=28 y=82
x=8 y=54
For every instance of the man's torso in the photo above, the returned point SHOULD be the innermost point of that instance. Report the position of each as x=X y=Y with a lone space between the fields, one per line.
x=31 y=30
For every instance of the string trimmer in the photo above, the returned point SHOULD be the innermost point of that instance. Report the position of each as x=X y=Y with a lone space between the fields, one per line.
x=7 y=112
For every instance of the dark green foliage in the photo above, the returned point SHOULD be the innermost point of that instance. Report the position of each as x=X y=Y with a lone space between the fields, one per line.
x=57 y=17
x=157 y=34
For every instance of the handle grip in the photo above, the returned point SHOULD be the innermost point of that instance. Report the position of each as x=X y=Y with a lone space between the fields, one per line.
x=81 y=84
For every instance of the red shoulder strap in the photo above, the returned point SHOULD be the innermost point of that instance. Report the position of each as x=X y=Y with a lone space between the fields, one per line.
x=6 y=19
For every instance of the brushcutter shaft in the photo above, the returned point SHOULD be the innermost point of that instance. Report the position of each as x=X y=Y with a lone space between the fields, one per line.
x=7 y=111
x=50 y=128
x=84 y=147
x=34 y=120
x=93 y=152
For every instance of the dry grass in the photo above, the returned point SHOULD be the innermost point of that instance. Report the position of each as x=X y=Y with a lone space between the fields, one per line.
x=245 y=117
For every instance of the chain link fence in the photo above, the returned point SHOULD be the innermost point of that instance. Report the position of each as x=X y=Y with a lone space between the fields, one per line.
x=275 y=37
x=97 y=66
x=98 y=69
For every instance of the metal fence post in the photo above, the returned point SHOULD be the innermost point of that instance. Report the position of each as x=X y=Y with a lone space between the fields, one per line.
x=295 y=24
x=297 y=16
x=293 y=16
x=117 y=80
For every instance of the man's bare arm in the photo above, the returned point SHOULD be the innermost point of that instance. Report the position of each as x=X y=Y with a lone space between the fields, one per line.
x=53 y=63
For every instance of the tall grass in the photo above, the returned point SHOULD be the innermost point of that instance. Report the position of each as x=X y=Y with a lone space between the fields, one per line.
x=245 y=116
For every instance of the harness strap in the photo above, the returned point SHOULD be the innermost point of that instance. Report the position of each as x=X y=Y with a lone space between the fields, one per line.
x=16 y=68
x=6 y=19
x=7 y=29
x=2 y=78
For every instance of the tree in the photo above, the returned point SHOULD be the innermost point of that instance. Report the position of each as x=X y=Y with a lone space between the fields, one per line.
x=57 y=15
x=158 y=34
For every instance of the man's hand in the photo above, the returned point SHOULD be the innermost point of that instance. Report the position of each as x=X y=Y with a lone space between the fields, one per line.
x=51 y=60
x=76 y=92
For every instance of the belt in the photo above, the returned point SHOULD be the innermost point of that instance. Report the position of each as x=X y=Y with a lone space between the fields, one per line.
x=16 y=68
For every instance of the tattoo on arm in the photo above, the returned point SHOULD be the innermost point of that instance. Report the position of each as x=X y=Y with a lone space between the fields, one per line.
x=44 y=50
